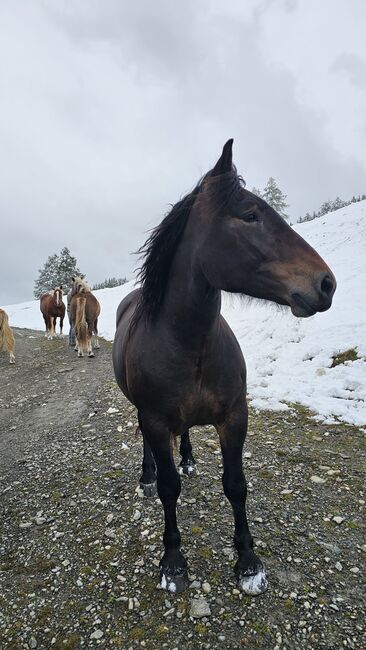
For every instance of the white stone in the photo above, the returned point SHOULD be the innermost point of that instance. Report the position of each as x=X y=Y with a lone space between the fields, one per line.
x=206 y=587
x=97 y=634
x=317 y=479
x=199 y=608
x=136 y=515
x=338 y=520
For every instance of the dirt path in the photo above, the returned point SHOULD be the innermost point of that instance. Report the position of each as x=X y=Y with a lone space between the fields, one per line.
x=79 y=547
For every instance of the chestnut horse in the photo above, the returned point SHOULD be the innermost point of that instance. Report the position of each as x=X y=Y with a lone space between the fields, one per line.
x=52 y=307
x=177 y=360
x=7 y=341
x=84 y=312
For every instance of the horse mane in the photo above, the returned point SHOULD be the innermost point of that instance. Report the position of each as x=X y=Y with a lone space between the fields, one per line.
x=159 y=249
x=82 y=286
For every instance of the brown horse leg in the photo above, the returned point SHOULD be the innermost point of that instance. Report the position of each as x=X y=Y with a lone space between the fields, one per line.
x=249 y=569
x=96 y=342
x=188 y=464
x=49 y=328
x=89 y=344
x=45 y=318
x=148 y=476
x=61 y=324
x=173 y=565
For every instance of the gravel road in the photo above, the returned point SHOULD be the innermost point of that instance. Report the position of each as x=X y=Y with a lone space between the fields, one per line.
x=79 y=546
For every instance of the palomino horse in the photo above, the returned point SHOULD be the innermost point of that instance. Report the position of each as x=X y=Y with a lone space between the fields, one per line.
x=7 y=341
x=84 y=312
x=176 y=359
x=52 y=307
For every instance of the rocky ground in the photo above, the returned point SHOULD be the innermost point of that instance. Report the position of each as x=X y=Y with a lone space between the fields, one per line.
x=79 y=546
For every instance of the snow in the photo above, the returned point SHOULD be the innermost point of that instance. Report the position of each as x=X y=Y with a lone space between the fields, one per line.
x=289 y=359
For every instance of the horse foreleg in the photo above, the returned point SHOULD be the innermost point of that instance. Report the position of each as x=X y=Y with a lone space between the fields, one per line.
x=12 y=357
x=49 y=327
x=148 y=476
x=173 y=565
x=249 y=569
x=61 y=325
x=188 y=464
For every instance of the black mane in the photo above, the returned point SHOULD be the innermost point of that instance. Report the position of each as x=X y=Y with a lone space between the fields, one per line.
x=159 y=249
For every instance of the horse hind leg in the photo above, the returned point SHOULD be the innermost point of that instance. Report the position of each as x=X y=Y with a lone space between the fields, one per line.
x=173 y=565
x=187 y=465
x=89 y=345
x=148 y=476
x=96 y=342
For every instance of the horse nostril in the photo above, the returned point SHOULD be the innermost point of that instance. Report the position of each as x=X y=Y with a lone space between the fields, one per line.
x=327 y=285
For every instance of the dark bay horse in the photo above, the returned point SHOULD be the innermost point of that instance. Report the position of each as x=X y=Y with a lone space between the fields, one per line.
x=84 y=312
x=52 y=307
x=175 y=357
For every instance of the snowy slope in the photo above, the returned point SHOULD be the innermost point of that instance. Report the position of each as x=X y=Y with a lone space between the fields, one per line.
x=289 y=359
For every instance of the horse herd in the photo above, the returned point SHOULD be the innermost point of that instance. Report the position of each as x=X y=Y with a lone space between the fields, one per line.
x=83 y=309
x=175 y=357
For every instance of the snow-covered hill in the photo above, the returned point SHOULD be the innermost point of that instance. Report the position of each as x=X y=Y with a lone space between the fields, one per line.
x=289 y=359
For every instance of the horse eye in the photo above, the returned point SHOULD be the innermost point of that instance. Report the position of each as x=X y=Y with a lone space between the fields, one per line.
x=249 y=218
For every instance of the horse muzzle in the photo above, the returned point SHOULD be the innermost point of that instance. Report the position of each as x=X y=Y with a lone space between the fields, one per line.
x=307 y=303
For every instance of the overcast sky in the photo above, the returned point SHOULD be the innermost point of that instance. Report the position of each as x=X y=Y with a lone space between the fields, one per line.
x=111 y=110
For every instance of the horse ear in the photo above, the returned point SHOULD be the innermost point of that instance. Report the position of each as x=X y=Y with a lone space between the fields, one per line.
x=225 y=162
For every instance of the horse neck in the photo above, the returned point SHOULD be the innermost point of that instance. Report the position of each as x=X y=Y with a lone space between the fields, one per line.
x=191 y=304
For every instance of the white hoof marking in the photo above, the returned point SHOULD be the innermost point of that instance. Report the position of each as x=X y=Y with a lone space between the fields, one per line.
x=167 y=584
x=254 y=585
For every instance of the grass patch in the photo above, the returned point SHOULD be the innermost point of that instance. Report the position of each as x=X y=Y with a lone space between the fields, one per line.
x=342 y=357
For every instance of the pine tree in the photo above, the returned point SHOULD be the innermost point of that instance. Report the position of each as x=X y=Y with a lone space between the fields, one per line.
x=57 y=270
x=275 y=197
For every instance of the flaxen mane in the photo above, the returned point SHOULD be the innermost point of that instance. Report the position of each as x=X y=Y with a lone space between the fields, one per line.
x=7 y=341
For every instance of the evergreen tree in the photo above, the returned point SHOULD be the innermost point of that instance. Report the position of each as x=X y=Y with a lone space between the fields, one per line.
x=57 y=270
x=275 y=197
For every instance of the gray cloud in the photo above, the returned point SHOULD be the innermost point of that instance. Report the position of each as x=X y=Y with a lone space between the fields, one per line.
x=110 y=112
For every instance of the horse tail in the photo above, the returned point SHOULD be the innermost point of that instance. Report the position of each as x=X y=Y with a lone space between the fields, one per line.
x=7 y=340
x=81 y=327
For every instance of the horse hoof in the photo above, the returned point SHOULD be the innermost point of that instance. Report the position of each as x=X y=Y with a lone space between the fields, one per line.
x=149 y=489
x=187 y=469
x=91 y=354
x=175 y=583
x=253 y=584
x=80 y=354
x=12 y=361
x=96 y=346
